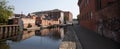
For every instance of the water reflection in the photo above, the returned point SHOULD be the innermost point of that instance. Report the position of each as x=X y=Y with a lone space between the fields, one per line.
x=3 y=45
x=54 y=33
x=39 y=39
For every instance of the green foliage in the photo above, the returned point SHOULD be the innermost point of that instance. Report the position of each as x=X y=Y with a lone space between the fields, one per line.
x=5 y=11
x=78 y=17
x=29 y=25
x=65 y=19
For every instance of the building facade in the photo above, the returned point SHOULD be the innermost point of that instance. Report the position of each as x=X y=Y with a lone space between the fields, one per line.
x=44 y=20
x=30 y=20
x=56 y=14
x=101 y=16
x=68 y=16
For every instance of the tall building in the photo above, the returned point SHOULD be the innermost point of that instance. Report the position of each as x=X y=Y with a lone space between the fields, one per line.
x=101 y=16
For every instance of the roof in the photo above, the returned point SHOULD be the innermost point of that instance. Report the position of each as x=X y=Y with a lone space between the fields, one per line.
x=54 y=10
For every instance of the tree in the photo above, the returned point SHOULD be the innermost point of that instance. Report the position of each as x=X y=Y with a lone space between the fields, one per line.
x=78 y=18
x=29 y=25
x=5 y=11
x=65 y=19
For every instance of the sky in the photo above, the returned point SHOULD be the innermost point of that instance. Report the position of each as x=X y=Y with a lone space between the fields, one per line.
x=29 y=6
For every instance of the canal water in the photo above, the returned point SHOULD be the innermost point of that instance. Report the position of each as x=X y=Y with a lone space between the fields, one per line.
x=38 y=39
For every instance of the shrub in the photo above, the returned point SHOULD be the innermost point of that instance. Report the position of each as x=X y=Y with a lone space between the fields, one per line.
x=29 y=25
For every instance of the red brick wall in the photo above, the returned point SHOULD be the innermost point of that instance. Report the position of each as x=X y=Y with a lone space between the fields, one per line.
x=109 y=13
x=109 y=9
x=49 y=22
x=86 y=8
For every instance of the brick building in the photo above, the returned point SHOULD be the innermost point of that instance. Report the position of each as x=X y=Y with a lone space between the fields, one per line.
x=56 y=13
x=101 y=16
x=29 y=20
x=68 y=16
x=44 y=20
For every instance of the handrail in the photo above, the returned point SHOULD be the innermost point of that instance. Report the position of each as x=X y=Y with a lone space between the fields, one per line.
x=7 y=25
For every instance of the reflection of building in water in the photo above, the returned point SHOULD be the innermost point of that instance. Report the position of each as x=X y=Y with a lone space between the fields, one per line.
x=43 y=32
x=18 y=37
x=54 y=32
x=23 y=35
x=27 y=34
x=62 y=33
x=5 y=36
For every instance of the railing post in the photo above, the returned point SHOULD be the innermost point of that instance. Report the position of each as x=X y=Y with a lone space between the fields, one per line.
x=10 y=30
x=13 y=29
x=5 y=33
x=1 y=31
x=17 y=29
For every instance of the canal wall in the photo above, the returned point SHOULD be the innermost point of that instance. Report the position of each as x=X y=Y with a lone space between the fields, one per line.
x=8 y=31
x=70 y=40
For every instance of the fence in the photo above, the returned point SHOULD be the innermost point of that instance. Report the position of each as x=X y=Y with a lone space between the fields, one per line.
x=8 y=31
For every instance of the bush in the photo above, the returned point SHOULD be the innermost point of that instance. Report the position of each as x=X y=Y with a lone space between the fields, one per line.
x=29 y=25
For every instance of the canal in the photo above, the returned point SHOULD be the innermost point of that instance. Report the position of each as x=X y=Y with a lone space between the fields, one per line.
x=34 y=39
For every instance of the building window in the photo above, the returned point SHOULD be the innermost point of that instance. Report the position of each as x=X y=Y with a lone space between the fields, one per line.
x=98 y=4
x=91 y=15
x=87 y=16
x=86 y=2
x=83 y=17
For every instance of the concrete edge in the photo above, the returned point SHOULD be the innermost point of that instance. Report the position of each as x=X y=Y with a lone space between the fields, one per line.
x=77 y=38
